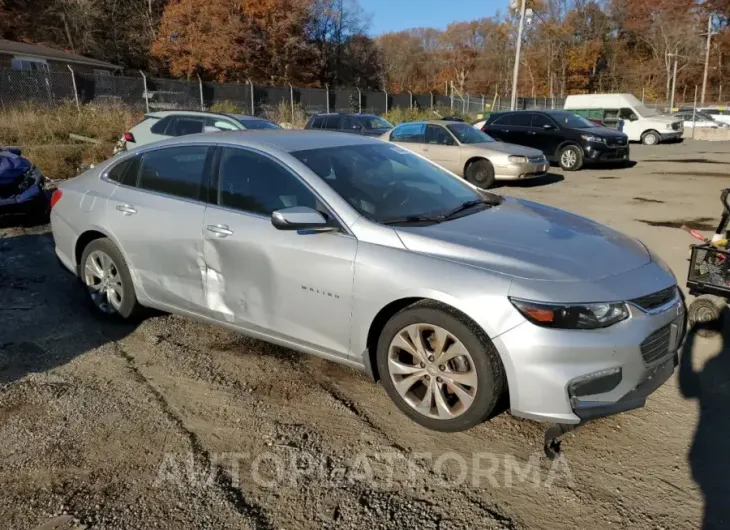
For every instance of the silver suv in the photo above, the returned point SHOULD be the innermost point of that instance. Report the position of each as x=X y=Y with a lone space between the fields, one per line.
x=366 y=254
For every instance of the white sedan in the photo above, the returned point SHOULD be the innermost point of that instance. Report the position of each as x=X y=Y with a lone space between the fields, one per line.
x=699 y=119
x=721 y=115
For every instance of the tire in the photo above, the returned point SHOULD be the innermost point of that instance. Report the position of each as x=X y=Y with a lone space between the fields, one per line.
x=570 y=158
x=121 y=305
x=480 y=173
x=480 y=369
x=650 y=138
x=704 y=315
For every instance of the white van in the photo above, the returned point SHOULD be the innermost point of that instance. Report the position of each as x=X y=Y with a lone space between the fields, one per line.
x=640 y=123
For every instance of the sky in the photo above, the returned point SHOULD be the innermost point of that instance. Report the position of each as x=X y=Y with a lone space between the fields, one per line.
x=396 y=15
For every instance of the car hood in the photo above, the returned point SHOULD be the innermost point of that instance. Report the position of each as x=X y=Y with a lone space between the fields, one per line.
x=603 y=131
x=663 y=119
x=503 y=147
x=524 y=239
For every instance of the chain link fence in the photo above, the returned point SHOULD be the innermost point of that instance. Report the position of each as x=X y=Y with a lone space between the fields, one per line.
x=149 y=94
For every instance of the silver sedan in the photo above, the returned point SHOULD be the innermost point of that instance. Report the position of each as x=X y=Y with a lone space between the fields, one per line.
x=363 y=253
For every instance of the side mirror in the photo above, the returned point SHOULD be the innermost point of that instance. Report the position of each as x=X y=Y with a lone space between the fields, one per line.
x=211 y=129
x=633 y=117
x=299 y=218
x=548 y=127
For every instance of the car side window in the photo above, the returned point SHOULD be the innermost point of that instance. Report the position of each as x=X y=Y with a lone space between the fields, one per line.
x=251 y=182
x=317 y=122
x=540 y=120
x=409 y=133
x=223 y=125
x=178 y=171
x=626 y=113
x=161 y=126
x=333 y=122
x=521 y=119
x=125 y=172
x=351 y=124
x=435 y=134
x=185 y=125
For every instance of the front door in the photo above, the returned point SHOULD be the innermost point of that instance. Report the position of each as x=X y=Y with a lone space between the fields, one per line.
x=544 y=135
x=157 y=217
x=286 y=284
x=440 y=147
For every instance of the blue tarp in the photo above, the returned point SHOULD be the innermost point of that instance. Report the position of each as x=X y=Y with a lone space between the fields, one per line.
x=12 y=166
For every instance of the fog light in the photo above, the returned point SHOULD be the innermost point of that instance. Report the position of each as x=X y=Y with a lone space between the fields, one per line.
x=595 y=383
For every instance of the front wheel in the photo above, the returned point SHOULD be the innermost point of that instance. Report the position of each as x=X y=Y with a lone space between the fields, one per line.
x=480 y=173
x=571 y=158
x=438 y=368
x=107 y=279
x=650 y=138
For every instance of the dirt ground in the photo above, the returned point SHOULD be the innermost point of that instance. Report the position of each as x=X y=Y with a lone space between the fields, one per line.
x=176 y=424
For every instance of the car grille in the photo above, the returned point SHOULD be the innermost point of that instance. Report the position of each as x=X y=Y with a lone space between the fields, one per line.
x=656 y=345
x=536 y=159
x=611 y=142
x=654 y=300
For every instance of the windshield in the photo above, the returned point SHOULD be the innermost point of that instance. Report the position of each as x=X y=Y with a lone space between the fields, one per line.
x=258 y=124
x=645 y=112
x=385 y=182
x=375 y=122
x=573 y=121
x=468 y=134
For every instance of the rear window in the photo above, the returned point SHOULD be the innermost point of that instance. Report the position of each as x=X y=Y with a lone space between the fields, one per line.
x=161 y=126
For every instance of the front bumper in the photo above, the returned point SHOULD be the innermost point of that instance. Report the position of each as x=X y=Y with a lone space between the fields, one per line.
x=607 y=153
x=671 y=135
x=544 y=366
x=527 y=170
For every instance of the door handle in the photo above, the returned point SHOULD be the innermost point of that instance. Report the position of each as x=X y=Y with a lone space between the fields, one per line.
x=505 y=130
x=126 y=209
x=531 y=132
x=220 y=230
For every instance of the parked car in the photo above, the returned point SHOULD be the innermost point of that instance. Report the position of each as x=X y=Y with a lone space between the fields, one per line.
x=165 y=124
x=366 y=254
x=562 y=136
x=468 y=152
x=698 y=119
x=22 y=187
x=365 y=124
x=720 y=114
x=641 y=124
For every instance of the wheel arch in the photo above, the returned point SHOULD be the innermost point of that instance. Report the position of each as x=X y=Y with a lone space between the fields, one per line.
x=565 y=144
x=473 y=159
x=388 y=311
x=650 y=130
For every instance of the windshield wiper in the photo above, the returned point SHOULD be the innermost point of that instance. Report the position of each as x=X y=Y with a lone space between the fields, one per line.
x=412 y=219
x=468 y=204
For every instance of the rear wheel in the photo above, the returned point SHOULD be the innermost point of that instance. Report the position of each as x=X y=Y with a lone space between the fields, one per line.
x=571 y=158
x=480 y=173
x=107 y=279
x=438 y=368
x=650 y=138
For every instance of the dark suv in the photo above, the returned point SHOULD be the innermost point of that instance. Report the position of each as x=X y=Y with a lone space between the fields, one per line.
x=367 y=124
x=562 y=136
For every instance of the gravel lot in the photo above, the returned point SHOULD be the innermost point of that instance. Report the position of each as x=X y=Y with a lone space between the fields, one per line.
x=175 y=424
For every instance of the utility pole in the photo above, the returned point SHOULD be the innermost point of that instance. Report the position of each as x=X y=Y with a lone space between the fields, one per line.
x=707 y=59
x=516 y=71
x=674 y=80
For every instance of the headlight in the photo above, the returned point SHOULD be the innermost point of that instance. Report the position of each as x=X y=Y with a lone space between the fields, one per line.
x=595 y=139
x=670 y=125
x=572 y=316
x=517 y=159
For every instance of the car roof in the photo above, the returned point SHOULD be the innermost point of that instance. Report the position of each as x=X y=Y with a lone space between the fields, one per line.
x=355 y=114
x=165 y=113
x=288 y=140
x=434 y=122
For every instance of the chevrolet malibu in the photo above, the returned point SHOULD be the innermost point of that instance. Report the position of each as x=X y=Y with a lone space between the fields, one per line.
x=366 y=254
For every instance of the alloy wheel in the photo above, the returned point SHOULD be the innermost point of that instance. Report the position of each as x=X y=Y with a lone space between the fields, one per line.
x=432 y=371
x=568 y=158
x=104 y=281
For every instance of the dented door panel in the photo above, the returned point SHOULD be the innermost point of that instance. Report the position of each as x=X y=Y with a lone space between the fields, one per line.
x=293 y=285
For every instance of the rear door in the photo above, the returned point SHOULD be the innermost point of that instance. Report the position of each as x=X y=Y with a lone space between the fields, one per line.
x=544 y=134
x=411 y=136
x=287 y=284
x=156 y=214
x=440 y=147
x=333 y=122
